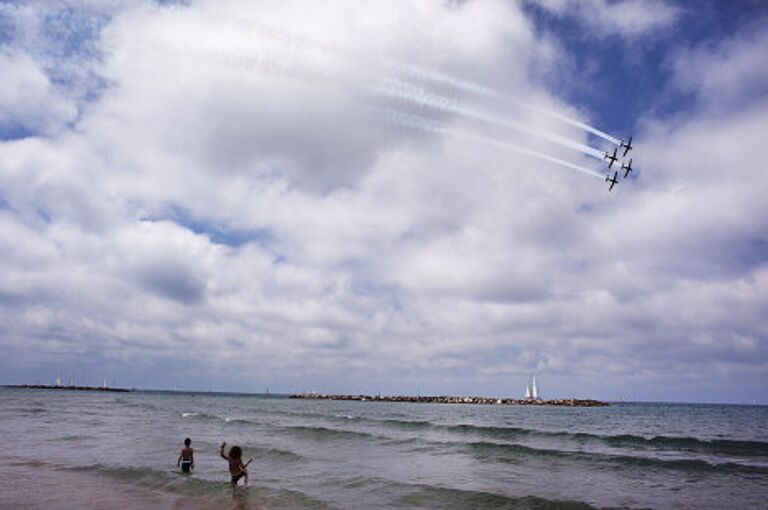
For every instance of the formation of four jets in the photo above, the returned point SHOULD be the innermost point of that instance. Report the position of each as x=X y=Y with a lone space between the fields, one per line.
x=612 y=158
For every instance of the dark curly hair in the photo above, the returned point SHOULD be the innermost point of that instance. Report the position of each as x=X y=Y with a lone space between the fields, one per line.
x=187 y=442
x=235 y=452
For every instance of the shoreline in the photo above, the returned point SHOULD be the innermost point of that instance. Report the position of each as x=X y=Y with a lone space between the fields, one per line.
x=563 y=402
x=72 y=388
x=33 y=484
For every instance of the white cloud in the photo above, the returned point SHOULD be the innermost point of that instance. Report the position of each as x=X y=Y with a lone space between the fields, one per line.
x=377 y=253
x=28 y=101
x=627 y=18
x=727 y=74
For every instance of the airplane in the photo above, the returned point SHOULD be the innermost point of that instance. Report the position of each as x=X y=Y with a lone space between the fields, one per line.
x=628 y=168
x=612 y=180
x=611 y=158
x=627 y=146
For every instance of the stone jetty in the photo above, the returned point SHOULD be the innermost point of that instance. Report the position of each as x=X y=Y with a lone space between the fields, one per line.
x=566 y=402
x=71 y=388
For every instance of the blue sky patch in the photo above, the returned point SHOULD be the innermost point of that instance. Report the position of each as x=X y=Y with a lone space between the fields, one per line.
x=619 y=80
x=219 y=233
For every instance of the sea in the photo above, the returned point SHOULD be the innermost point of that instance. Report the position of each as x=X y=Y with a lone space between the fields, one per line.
x=63 y=449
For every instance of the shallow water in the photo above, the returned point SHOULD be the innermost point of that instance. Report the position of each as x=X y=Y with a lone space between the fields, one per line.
x=102 y=450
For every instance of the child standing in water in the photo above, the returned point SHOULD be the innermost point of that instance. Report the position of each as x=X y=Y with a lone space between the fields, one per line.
x=237 y=469
x=186 y=457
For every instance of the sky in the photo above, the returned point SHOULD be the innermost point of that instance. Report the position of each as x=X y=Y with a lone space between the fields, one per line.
x=386 y=197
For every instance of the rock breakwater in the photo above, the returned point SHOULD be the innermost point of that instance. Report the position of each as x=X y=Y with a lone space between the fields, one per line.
x=70 y=388
x=566 y=402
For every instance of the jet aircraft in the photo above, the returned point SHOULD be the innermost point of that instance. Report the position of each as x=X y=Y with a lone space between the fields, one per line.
x=627 y=168
x=613 y=180
x=627 y=146
x=611 y=158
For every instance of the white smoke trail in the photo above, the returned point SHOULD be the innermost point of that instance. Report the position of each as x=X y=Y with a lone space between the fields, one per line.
x=424 y=124
x=403 y=90
x=297 y=41
x=394 y=87
x=488 y=92
x=273 y=62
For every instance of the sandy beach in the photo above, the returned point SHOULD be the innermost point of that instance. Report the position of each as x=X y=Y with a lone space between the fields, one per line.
x=35 y=484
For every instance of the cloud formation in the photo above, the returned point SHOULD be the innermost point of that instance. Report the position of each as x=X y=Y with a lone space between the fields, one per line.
x=741 y=63
x=626 y=18
x=223 y=203
x=28 y=102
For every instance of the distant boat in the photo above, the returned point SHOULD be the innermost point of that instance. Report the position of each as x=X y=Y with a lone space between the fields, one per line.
x=531 y=392
x=58 y=381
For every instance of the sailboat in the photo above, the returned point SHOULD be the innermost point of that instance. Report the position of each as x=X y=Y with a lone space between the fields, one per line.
x=531 y=392
x=58 y=381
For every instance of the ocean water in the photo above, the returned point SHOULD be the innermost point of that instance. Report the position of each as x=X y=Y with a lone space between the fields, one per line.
x=63 y=449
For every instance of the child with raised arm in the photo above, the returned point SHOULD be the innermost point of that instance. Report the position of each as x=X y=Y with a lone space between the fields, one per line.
x=186 y=457
x=236 y=467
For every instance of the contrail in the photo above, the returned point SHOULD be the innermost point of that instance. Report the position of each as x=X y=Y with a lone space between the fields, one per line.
x=295 y=40
x=418 y=122
x=488 y=92
x=272 y=64
x=403 y=90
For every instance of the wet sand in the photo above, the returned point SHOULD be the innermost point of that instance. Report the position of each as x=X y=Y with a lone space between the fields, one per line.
x=36 y=485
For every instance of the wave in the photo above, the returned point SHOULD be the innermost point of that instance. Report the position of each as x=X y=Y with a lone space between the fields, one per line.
x=714 y=446
x=72 y=437
x=146 y=477
x=138 y=404
x=418 y=495
x=201 y=416
x=689 y=444
x=348 y=418
x=504 y=452
x=214 y=493
x=324 y=433
x=26 y=410
x=743 y=448
x=22 y=462
x=168 y=480
x=215 y=417
x=408 y=424
x=388 y=422
x=274 y=453
x=726 y=449
x=385 y=422
x=241 y=421
x=498 y=432
x=459 y=499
